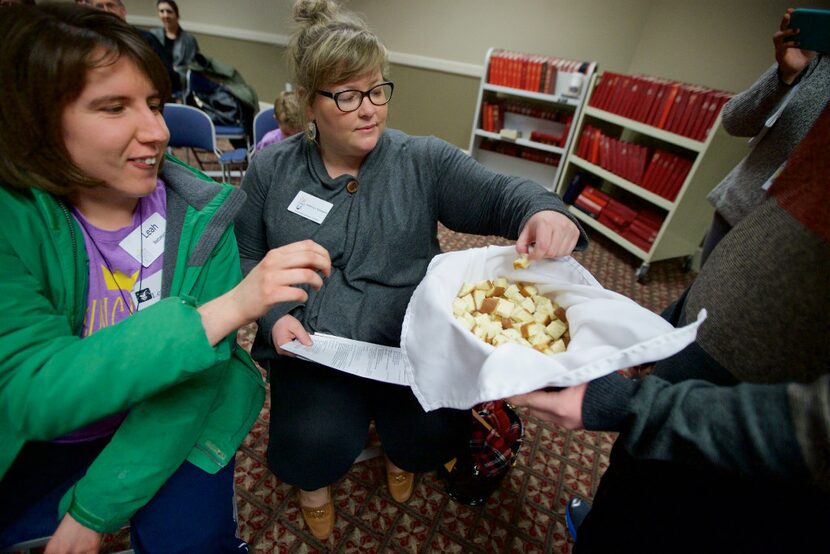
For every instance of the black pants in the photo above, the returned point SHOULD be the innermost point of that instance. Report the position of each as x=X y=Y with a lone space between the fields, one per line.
x=320 y=418
x=650 y=506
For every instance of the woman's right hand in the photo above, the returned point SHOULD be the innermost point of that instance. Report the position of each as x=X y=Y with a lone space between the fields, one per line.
x=791 y=59
x=286 y=329
x=270 y=282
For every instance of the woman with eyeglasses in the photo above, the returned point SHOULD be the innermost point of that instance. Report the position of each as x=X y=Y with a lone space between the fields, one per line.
x=373 y=197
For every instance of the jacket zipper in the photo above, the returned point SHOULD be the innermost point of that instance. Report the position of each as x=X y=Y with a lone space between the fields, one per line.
x=76 y=324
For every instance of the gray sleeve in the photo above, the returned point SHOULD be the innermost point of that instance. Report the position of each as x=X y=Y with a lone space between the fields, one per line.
x=473 y=199
x=810 y=412
x=745 y=428
x=251 y=235
x=745 y=113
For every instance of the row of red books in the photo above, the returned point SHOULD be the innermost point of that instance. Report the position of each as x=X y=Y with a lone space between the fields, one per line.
x=492 y=113
x=510 y=149
x=666 y=174
x=660 y=172
x=532 y=72
x=640 y=227
x=626 y=159
x=688 y=110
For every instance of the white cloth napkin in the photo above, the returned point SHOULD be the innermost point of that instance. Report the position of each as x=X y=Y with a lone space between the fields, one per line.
x=451 y=367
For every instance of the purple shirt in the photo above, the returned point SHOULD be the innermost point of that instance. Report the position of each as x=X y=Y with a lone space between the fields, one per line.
x=125 y=268
x=269 y=138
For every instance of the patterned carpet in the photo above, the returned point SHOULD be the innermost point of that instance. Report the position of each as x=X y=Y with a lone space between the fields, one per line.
x=525 y=515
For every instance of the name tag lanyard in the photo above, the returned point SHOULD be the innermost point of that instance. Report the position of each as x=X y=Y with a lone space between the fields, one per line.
x=767 y=126
x=127 y=302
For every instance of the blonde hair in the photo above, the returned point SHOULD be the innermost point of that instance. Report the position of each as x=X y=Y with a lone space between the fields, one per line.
x=287 y=110
x=331 y=45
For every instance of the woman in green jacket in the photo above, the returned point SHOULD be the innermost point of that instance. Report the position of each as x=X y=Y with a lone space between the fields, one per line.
x=124 y=394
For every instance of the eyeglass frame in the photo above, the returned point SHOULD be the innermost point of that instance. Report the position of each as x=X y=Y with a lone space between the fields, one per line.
x=363 y=94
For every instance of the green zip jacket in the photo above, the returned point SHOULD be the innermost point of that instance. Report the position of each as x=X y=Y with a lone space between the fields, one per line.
x=186 y=399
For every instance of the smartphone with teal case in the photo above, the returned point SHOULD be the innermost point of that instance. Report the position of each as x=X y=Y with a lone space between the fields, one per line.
x=814 y=26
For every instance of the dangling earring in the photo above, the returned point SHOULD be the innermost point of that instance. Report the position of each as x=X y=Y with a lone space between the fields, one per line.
x=312 y=130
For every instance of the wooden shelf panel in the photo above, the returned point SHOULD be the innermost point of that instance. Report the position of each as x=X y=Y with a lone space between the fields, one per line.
x=521 y=142
x=642 y=128
x=610 y=233
x=618 y=181
x=553 y=99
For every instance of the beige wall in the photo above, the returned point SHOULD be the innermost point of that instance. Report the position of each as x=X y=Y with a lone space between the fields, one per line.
x=719 y=43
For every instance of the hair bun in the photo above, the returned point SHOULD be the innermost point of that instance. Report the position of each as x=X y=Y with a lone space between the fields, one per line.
x=310 y=12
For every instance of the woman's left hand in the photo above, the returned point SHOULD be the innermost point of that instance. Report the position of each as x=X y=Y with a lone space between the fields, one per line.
x=552 y=234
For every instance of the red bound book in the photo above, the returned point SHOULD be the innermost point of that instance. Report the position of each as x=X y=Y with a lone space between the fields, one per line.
x=606 y=219
x=587 y=205
x=681 y=101
x=603 y=160
x=492 y=71
x=550 y=78
x=636 y=240
x=657 y=103
x=706 y=103
x=720 y=99
x=621 y=213
x=652 y=171
x=676 y=107
x=598 y=92
x=660 y=172
x=594 y=154
x=596 y=195
x=645 y=232
x=693 y=104
x=619 y=93
x=646 y=99
x=669 y=176
x=642 y=159
x=668 y=104
x=564 y=136
x=681 y=172
x=632 y=100
x=584 y=144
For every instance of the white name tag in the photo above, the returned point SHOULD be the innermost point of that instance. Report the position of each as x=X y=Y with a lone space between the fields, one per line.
x=146 y=243
x=310 y=207
x=147 y=291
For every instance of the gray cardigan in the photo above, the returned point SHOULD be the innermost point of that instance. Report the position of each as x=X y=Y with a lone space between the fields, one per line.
x=744 y=115
x=382 y=236
x=185 y=48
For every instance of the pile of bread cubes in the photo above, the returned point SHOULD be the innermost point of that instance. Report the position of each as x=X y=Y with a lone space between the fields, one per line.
x=499 y=311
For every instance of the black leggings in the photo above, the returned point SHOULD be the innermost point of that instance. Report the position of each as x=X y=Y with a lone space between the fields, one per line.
x=320 y=419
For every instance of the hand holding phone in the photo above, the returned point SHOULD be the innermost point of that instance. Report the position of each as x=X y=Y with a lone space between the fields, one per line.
x=813 y=26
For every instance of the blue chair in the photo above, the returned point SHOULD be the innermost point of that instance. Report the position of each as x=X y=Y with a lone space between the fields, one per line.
x=197 y=83
x=192 y=128
x=264 y=122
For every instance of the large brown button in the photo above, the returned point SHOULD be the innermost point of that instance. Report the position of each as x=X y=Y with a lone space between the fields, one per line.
x=352 y=187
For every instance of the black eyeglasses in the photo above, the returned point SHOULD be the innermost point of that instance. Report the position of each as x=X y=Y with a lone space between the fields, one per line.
x=350 y=100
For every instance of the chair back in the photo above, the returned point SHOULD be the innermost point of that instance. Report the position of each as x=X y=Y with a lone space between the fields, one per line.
x=264 y=122
x=189 y=128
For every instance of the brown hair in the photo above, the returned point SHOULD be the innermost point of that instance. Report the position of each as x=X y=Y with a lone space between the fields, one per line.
x=287 y=110
x=46 y=55
x=331 y=46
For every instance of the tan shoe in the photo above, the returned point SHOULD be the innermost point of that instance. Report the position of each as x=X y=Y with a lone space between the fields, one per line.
x=320 y=520
x=401 y=484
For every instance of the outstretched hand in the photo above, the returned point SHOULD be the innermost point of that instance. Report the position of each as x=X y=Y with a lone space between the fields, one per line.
x=552 y=234
x=272 y=281
x=791 y=59
x=563 y=407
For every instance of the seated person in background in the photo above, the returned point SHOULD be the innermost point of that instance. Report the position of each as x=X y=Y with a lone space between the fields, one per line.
x=110 y=415
x=287 y=114
x=726 y=446
x=118 y=8
x=383 y=194
x=746 y=114
x=180 y=45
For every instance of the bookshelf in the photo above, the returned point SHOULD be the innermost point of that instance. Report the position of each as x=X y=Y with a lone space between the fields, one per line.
x=525 y=111
x=640 y=184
